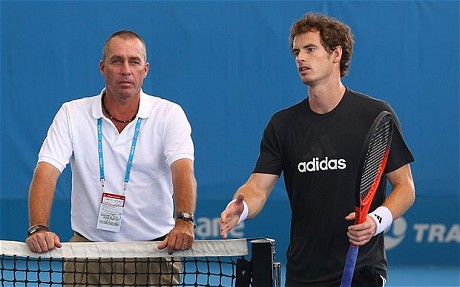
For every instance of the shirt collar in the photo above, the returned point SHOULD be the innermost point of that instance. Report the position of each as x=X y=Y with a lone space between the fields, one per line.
x=97 y=106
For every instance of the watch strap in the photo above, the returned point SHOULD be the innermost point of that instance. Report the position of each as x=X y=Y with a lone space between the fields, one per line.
x=185 y=215
x=36 y=228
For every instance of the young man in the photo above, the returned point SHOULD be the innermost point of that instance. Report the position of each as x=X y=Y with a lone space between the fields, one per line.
x=126 y=149
x=330 y=125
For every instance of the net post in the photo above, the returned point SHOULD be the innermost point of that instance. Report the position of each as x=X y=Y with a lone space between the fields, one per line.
x=265 y=271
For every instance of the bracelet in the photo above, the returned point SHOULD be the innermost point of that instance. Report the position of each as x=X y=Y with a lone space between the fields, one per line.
x=245 y=212
x=382 y=217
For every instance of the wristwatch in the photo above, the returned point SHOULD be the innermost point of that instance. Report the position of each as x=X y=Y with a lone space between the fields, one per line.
x=185 y=215
x=36 y=228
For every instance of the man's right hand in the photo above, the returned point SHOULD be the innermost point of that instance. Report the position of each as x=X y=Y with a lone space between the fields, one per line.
x=43 y=241
x=230 y=216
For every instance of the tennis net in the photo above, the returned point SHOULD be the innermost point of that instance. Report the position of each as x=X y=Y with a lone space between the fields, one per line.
x=208 y=263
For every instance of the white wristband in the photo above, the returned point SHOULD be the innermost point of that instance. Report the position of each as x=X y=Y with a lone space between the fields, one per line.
x=382 y=217
x=245 y=212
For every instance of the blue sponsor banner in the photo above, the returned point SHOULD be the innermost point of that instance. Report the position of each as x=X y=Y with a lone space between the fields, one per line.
x=428 y=234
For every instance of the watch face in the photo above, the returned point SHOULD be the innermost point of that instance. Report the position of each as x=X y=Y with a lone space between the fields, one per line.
x=36 y=228
x=185 y=215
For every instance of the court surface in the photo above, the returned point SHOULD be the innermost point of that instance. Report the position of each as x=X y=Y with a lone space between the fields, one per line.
x=430 y=276
x=420 y=276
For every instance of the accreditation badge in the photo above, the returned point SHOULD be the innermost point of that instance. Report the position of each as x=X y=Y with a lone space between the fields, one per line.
x=111 y=212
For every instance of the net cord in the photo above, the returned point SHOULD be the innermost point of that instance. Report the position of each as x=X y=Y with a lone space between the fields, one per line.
x=137 y=249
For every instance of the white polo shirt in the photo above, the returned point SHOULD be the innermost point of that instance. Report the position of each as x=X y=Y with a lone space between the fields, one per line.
x=164 y=137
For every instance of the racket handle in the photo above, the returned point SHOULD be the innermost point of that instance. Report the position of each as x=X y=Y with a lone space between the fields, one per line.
x=350 y=264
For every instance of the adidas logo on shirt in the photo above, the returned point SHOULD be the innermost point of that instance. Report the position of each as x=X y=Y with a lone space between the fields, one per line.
x=322 y=165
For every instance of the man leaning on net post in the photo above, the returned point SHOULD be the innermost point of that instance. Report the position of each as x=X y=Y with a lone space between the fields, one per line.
x=131 y=156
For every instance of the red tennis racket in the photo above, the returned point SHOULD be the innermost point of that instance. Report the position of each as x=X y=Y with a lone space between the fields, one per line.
x=374 y=157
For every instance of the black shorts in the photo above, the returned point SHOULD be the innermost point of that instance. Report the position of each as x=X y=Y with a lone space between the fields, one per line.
x=368 y=277
x=364 y=277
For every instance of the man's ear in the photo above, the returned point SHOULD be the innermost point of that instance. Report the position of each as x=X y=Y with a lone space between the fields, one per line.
x=101 y=66
x=147 y=67
x=337 y=54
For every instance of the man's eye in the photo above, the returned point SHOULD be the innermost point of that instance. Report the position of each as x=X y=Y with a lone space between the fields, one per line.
x=311 y=50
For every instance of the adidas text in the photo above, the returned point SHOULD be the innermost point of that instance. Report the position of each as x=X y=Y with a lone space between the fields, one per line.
x=321 y=165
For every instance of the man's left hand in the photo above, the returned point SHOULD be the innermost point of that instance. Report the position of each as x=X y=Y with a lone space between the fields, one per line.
x=180 y=238
x=360 y=234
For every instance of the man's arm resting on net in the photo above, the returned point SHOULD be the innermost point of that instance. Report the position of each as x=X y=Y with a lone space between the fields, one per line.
x=184 y=184
x=41 y=196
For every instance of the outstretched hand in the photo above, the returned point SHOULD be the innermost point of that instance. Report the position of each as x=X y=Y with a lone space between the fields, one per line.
x=230 y=216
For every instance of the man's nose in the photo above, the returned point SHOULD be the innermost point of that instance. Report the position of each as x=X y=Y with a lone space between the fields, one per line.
x=125 y=69
x=300 y=57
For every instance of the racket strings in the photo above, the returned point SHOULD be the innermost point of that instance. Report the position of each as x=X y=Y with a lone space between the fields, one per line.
x=377 y=149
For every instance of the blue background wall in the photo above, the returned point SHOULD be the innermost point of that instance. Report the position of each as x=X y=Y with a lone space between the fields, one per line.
x=228 y=64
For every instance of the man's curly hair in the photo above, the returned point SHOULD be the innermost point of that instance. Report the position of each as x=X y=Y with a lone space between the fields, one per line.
x=333 y=33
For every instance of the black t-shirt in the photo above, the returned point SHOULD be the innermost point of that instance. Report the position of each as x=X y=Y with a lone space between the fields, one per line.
x=319 y=155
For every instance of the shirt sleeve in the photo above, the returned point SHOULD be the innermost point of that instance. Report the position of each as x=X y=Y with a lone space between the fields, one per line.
x=400 y=153
x=178 y=140
x=57 y=146
x=270 y=156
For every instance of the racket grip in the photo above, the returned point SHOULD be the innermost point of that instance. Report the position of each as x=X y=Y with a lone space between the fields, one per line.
x=350 y=264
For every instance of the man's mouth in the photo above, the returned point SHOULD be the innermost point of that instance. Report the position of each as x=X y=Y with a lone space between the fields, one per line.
x=303 y=69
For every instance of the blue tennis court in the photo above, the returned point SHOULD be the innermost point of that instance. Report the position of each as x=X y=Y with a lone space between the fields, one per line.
x=433 y=276
x=426 y=276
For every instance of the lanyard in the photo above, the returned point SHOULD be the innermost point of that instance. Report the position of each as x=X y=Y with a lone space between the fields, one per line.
x=130 y=158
